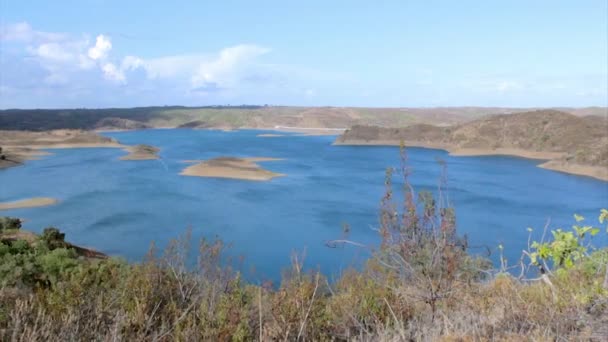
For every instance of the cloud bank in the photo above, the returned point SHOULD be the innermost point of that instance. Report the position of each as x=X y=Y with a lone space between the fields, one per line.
x=54 y=69
x=65 y=65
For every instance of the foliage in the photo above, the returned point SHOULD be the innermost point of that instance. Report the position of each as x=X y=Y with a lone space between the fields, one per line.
x=567 y=247
x=7 y=223
x=53 y=238
x=420 y=245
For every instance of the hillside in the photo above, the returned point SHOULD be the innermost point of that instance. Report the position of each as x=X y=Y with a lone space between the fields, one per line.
x=247 y=117
x=571 y=143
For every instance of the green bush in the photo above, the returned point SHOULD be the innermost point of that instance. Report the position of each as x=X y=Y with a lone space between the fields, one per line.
x=8 y=223
x=53 y=238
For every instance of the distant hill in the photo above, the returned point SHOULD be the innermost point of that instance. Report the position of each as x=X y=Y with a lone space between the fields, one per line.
x=248 y=117
x=568 y=141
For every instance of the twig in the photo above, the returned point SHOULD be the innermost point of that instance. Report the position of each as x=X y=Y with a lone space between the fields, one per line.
x=260 y=311
x=312 y=299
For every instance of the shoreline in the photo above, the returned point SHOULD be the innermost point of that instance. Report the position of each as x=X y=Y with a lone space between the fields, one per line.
x=303 y=131
x=551 y=160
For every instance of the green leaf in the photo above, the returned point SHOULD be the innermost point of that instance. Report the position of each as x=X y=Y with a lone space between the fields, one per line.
x=603 y=215
x=578 y=218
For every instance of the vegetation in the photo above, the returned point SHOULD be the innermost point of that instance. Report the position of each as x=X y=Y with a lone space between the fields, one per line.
x=419 y=284
x=9 y=223
x=246 y=116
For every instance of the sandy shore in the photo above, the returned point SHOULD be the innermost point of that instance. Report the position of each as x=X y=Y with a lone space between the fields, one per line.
x=553 y=159
x=598 y=172
x=68 y=145
x=312 y=131
x=231 y=167
x=28 y=203
x=141 y=152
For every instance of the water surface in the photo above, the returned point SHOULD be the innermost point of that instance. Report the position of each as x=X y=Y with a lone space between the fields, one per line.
x=120 y=207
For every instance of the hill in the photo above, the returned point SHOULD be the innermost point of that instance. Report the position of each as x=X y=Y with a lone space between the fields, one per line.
x=247 y=117
x=571 y=143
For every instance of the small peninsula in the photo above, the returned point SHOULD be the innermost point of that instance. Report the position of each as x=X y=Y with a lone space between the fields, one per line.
x=20 y=146
x=569 y=143
x=232 y=167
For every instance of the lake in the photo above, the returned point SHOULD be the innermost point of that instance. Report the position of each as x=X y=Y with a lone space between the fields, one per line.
x=120 y=207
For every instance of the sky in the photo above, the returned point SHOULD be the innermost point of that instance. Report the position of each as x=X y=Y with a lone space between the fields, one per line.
x=106 y=53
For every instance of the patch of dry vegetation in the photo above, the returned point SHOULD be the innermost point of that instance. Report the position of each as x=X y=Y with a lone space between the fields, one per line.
x=248 y=117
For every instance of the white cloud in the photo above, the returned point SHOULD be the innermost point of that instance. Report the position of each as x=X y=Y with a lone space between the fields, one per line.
x=60 y=67
x=63 y=56
x=131 y=63
x=504 y=86
x=101 y=49
x=23 y=32
x=200 y=71
x=224 y=69
x=53 y=52
x=171 y=66
x=111 y=72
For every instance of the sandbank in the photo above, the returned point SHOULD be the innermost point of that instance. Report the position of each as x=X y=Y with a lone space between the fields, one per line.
x=141 y=152
x=232 y=167
x=28 y=203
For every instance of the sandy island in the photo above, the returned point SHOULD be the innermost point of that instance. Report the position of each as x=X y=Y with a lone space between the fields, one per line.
x=553 y=160
x=141 y=152
x=232 y=167
x=28 y=203
x=270 y=135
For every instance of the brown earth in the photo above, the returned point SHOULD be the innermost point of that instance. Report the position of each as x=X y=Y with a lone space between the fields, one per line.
x=573 y=144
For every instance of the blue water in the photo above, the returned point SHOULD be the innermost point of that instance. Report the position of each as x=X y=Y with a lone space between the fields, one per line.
x=120 y=207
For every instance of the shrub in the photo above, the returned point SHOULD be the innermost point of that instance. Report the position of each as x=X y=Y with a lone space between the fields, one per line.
x=7 y=223
x=53 y=238
x=420 y=244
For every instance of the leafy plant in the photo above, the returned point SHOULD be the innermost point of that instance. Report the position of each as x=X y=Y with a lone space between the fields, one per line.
x=567 y=247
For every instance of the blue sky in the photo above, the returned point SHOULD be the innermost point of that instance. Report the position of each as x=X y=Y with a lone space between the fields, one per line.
x=101 y=53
